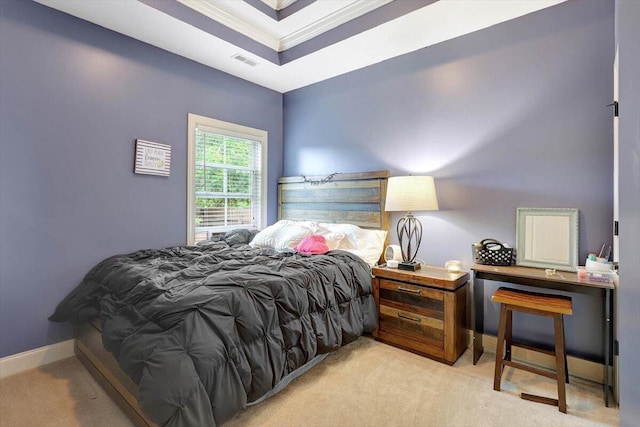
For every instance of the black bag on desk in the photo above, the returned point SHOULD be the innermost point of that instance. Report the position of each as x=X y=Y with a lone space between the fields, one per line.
x=491 y=252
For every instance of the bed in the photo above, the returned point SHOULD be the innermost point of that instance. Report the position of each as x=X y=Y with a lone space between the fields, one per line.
x=191 y=335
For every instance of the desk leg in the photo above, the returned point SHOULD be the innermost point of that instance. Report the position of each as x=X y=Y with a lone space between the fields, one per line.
x=477 y=312
x=608 y=334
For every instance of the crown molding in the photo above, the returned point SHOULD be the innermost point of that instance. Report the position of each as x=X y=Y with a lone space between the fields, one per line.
x=278 y=4
x=353 y=10
x=211 y=10
x=329 y=22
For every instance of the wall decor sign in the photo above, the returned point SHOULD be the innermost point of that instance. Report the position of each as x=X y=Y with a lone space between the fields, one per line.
x=152 y=158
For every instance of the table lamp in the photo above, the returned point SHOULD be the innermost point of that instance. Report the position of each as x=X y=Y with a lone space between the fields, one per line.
x=410 y=194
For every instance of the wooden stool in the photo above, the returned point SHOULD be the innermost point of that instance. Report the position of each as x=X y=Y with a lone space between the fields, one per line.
x=543 y=305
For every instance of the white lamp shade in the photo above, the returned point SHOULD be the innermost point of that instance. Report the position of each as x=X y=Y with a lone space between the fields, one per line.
x=411 y=193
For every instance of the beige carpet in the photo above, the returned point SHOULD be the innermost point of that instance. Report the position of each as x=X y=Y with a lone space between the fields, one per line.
x=61 y=394
x=364 y=384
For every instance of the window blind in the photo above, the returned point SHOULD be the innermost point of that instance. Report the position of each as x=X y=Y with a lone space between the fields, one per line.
x=228 y=174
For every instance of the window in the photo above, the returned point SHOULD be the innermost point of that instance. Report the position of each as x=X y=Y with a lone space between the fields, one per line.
x=226 y=186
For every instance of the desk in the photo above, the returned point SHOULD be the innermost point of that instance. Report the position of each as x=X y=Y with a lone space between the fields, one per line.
x=562 y=281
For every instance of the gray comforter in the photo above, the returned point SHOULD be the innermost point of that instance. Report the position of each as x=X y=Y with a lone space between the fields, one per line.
x=204 y=330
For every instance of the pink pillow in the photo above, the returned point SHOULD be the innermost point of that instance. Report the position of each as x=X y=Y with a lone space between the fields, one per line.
x=314 y=244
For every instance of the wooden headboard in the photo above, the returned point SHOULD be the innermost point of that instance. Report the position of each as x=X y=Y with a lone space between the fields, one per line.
x=351 y=198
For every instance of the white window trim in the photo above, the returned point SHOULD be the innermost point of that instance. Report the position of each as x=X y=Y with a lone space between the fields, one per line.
x=233 y=129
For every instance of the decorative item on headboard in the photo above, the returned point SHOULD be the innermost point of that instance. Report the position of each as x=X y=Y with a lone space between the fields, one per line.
x=319 y=181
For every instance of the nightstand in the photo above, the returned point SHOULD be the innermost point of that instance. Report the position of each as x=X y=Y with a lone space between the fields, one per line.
x=422 y=311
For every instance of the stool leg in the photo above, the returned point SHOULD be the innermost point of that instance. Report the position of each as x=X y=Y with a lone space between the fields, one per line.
x=560 y=361
x=500 y=347
x=507 y=355
x=566 y=366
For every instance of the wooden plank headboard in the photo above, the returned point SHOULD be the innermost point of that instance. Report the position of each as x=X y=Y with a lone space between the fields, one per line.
x=351 y=198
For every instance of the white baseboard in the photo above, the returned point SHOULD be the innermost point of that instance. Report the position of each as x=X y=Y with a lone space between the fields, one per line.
x=580 y=368
x=35 y=358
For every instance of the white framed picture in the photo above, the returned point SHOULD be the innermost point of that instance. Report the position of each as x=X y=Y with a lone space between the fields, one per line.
x=547 y=238
x=152 y=158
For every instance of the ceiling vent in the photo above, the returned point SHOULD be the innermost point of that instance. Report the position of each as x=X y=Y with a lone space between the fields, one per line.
x=244 y=59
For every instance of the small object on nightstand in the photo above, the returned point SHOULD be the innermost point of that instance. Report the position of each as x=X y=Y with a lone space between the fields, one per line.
x=393 y=252
x=409 y=266
x=453 y=265
x=392 y=263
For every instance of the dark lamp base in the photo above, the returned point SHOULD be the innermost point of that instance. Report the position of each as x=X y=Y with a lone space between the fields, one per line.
x=410 y=266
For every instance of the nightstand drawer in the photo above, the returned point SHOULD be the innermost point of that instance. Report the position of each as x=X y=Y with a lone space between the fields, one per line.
x=415 y=299
x=412 y=325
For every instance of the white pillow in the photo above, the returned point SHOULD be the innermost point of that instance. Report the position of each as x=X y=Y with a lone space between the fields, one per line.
x=371 y=245
x=311 y=225
x=367 y=244
x=284 y=234
x=289 y=236
x=267 y=238
x=348 y=231
x=332 y=238
x=371 y=239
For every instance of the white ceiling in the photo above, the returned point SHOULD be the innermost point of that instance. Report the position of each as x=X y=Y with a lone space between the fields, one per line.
x=442 y=20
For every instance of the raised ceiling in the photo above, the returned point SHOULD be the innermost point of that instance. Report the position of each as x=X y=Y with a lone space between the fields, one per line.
x=288 y=44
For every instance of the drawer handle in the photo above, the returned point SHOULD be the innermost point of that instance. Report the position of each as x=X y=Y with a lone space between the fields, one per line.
x=413 y=319
x=413 y=291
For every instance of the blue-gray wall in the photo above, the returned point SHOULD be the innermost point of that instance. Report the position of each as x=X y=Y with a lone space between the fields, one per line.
x=511 y=116
x=628 y=42
x=74 y=97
